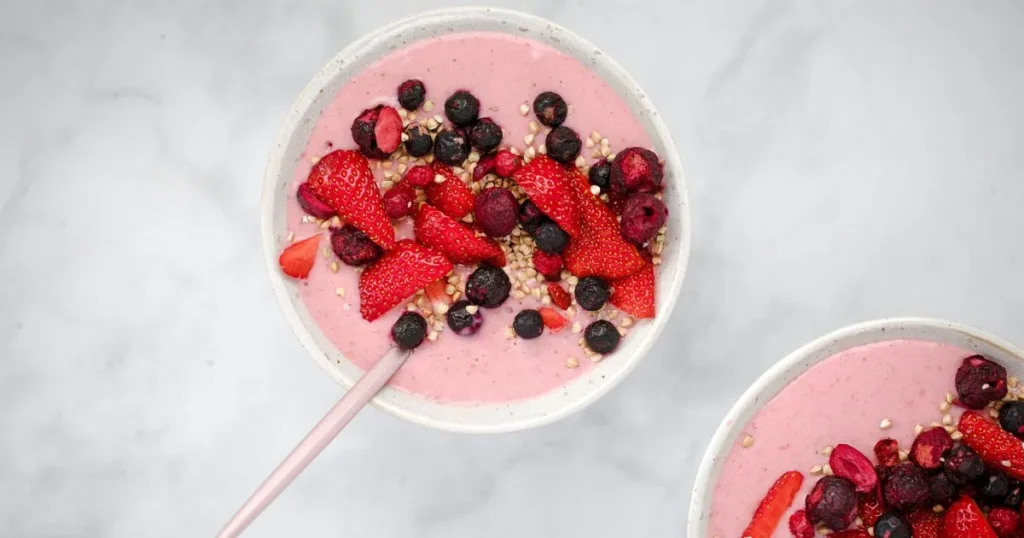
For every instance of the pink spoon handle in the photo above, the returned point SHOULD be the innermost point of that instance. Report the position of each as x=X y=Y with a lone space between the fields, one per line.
x=316 y=440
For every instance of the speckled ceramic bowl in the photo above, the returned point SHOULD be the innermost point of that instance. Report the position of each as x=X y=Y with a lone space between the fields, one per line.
x=799 y=361
x=295 y=133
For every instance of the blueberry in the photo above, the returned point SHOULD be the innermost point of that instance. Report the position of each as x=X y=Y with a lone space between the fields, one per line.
x=550 y=238
x=891 y=525
x=550 y=109
x=963 y=465
x=488 y=286
x=1011 y=418
x=601 y=336
x=941 y=488
x=451 y=147
x=563 y=144
x=464 y=318
x=1014 y=495
x=485 y=135
x=419 y=141
x=592 y=293
x=462 y=108
x=410 y=329
x=528 y=324
x=601 y=174
x=411 y=94
x=530 y=216
x=994 y=485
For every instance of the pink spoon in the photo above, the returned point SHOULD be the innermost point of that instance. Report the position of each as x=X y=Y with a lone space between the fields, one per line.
x=316 y=440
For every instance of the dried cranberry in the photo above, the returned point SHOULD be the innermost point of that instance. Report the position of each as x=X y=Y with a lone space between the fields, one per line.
x=399 y=200
x=1011 y=418
x=800 y=526
x=549 y=265
x=483 y=167
x=888 y=452
x=353 y=246
x=419 y=176
x=642 y=217
x=636 y=170
x=411 y=94
x=506 y=163
x=563 y=144
x=377 y=131
x=1003 y=521
x=496 y=211
x=891 y=525
x=832 y=502
x=942 y=490
x=963 y=465
x=847 y=462
x=313 y=205
x=418 y=141
x=980 y=382
x=930 y=447
x=906 y=487
x=485 y=135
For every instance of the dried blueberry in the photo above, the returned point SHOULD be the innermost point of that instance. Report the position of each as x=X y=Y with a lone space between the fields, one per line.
x=418 y=140
x=1014 y=495
x=464 y=318
x=891 y=525
x=563 y=144
x=592 y=293
x=410 y=329
x=994 y=485
x=963 y=465
x=601 y=336
x=451 y=147
x=942 y=490
x=601 y=174
x=550 y=109
x=1011 y=418
x=530 y=216
x=485 y=135
x=488 y=286
x=550 y=238
x=980 y=382
x=906 y=487
x=411 y=94
x=462 y=108
x=833 y=503
x=528 y=324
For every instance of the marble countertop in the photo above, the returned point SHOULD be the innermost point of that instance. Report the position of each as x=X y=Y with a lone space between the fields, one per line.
x=847 y=160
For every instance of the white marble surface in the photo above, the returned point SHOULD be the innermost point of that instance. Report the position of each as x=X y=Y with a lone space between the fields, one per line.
x=847 y=160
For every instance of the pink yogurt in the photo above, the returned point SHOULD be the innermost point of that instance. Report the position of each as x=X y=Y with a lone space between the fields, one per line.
x=503 y=72
x=842 y=399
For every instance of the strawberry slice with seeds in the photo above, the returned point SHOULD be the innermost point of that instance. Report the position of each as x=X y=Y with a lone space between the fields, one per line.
x=439 y=298
x=559 y=296
x=997 y=447
x=456 y=241
x=964 y=519
x=552 y=319
x=343 y=179
x=634 y=294
x=401 y=272
x=546 y=184
x=297 y=260
x=775 y=503
x=924 y=523
x=451 y=196
x=599 y=250
x=871 y=506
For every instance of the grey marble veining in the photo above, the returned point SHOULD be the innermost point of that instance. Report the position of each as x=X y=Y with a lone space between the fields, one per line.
x=846 y=159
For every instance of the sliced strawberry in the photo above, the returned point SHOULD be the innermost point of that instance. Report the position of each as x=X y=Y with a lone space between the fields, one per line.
x=451 y=195
x=964 y=519
x=600 y=249
x=401 y=272
x=800 y=526
x=297 y=260
x=924 y=523
x=559 y=296
x=552 y=319
x=871 y=506
x=996 y=446
x=343 y=179
x=439 y=299
x=546 y=184
x=634 y=294
x=456 y=241
x=775 y=503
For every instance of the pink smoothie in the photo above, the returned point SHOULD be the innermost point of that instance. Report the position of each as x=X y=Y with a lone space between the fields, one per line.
x=842 y=399
x=504 y=72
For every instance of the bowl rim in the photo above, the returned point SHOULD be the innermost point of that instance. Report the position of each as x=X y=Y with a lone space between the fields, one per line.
x=751 y=396
x=290 y=127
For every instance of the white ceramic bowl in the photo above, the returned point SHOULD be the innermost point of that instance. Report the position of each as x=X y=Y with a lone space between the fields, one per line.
x=797 y=362
x=292 y=139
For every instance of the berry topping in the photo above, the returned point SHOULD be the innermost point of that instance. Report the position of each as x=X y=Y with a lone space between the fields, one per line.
x=930 y=447
x=530 y=217
x=462 y=108
x=353 y=247
x=483 y=167
x=965 y=520
x=343 y=179
x=642 y=217
x=870 y=507
x=549 y=265
x=1004 y=522
x=592 y=293
x=1011 y=418
x=559 y=296
x=377 y=131
x=891 y=525
x=774 y=505
x=994 y=485
x=411 y=94
x=409 y=331
x=924 y=523
x=547 y=185
x=634 y=294
x=550 y=109
x=980 y=382
x=453 y=239
x=297 y=260
x=997 y=447
x=601 y=336
x=963 y=465
x=398 y=201
x=464 y=318
x=552 y=319
x=311 y=204
x=833 y=503
x=636 y=170
x=420 y=176
x=485 y=135
x=906 y=487
x=404 y=270
x=851 y=533
x=887 y=451
x=506 y=163
x=488 y=286
x=800 y=526
x=847 y=462
x=496 y=211
x=418 y=140
x=601 y=174
x=451 y=196
x=528 y=324
x=440 y=301
x=563 y=144
x=1014 y=495
x=941 y=488
x=451 y=147
x=550 y=238
x=599 y=250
